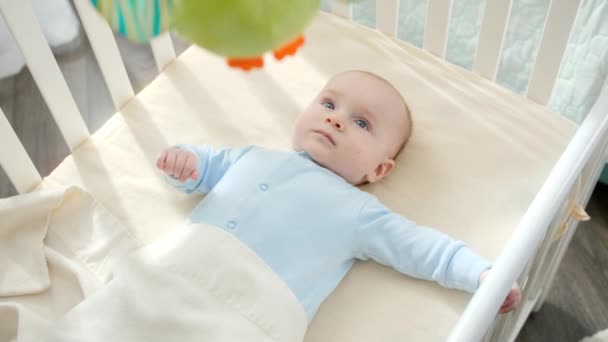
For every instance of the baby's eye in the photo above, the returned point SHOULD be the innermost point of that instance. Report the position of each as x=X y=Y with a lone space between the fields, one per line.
x=328 y=104
x=362 y=123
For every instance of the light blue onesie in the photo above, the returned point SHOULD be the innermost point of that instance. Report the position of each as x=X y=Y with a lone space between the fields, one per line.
x=309 y=225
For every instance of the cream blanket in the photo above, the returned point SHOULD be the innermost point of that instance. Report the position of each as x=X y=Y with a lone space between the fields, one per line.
x=195 y=283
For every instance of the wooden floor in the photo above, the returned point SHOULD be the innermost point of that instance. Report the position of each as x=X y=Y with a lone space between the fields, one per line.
x=577 y=305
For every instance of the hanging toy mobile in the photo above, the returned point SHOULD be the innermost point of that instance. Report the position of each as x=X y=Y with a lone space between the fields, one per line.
x=240 y=30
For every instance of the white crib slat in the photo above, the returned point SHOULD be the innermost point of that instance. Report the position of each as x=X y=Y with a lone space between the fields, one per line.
x=491 y=37
x=436 y=28
x=14 y=159
x=163 y=51
x=106 y=52
x=531 y=230
x=342 y=9
x=556 y=35
x=19 y=17
x=592 y=174
x=387 y=16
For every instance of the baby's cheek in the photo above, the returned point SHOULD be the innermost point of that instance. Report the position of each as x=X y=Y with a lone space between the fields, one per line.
x=356 y=163
x=363 y=154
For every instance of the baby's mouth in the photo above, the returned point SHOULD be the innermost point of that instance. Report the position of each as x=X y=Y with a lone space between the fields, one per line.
x=326 y=135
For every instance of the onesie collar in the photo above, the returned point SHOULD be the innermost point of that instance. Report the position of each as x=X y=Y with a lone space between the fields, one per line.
x=303 y=154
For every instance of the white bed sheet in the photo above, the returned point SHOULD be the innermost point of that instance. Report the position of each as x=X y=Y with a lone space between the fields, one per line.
x=477 y=157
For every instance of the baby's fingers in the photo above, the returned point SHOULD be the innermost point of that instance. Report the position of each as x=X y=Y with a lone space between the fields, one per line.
x=512 y=300
x=170 y=162
x=191 y=168
x=160 y=162
x=187 y=169
x=506 y=306
x=180 y=163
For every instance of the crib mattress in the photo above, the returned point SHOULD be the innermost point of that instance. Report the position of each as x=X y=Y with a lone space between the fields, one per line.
x=477 y=157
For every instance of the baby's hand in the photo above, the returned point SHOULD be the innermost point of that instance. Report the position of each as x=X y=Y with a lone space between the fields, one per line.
x=178 y=163
x=513 y=298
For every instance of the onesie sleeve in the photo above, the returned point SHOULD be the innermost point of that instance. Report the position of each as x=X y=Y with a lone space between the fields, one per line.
x=212 y=165
x=418 y=251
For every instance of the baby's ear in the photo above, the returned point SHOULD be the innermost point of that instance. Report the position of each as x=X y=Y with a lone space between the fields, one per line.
x=382 y=170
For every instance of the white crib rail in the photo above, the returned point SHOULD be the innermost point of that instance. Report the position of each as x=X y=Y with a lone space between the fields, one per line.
x=26 y=31
x=436 y=29
x=556 y=34
x=519 y=250
x=106 y=52
x=108 y=57
x=163 y=51
x=20 y=19
x=491 y=37
x=14 y=159
x=536 y=280
x=341 y=8
x=387 y=18
x=584 y=188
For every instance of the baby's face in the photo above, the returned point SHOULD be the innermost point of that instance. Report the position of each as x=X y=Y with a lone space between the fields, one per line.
x=354 y=127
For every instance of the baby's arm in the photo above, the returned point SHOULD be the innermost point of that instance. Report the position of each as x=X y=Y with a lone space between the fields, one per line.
x=422 y=252
x=192 y=168
x=418 y=251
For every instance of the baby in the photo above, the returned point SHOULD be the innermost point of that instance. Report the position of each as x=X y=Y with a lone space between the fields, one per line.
x=302 y=212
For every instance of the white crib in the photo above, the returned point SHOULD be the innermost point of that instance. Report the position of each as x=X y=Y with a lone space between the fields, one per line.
x=532 y=254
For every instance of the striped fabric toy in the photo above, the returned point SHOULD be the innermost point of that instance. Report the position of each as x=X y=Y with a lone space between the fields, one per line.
x=138 y=20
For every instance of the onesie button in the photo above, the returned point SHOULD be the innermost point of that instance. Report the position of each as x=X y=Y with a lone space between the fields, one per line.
x=231 y=224
x=263 y=186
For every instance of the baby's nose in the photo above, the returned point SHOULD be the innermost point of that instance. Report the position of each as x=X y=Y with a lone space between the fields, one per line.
x=335 y=123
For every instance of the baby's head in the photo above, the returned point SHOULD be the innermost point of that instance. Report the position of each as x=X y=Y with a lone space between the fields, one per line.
x=356 y=127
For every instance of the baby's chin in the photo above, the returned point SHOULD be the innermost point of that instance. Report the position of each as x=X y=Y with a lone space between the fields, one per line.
x=317 y=152
x=323 y=156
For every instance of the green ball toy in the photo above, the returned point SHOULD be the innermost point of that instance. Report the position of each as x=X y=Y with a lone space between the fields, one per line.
x=243 y=28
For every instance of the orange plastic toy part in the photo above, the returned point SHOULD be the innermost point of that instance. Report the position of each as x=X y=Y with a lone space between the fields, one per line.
x=246 y=63
x=289 y=48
